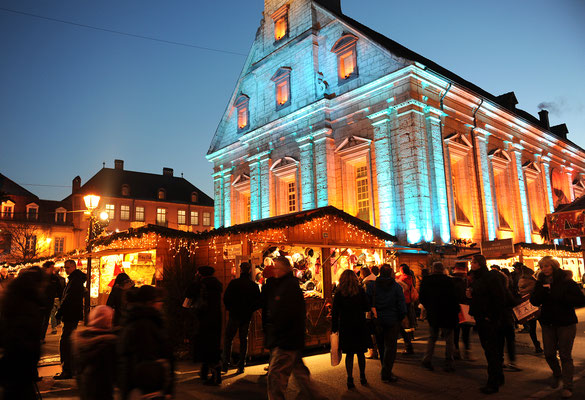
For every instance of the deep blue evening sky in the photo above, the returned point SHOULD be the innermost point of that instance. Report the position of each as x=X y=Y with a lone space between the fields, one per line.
x=73 y=97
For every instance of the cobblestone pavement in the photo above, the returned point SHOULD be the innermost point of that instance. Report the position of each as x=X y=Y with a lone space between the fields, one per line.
x=414 y=382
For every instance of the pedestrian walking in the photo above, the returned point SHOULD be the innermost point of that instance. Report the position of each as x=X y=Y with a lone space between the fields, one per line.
x=21 y=317
x=117 y=298
x=525 y=284
x=489 y=299
x=53 y=290
x=241 y=299
x=408 y=282
x=389 y=309
x=205 y=295
x=510 y=323
x=70 y=312
x=348 y=317
x=367 y=276
x=439 y=297
x=94 y=350
x=463 y=329
x=144 y=342
x=284 y=332
x=558 y=296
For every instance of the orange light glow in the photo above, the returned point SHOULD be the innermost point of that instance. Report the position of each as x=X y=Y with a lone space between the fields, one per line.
x=282 y=92
x=280 y=28
x=242 y=117
x=346 y=65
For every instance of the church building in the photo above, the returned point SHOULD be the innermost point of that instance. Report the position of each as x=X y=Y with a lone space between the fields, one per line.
x=327 y=111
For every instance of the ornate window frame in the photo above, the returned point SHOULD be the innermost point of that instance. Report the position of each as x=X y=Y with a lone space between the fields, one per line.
x=459 y=148
x=29 y=216
x=280 y=16
x=284 y=172
x=535 y=193
x=241 y=198
x=281 y=81
x=501 y=168
x=242 y=106
x=345 y=49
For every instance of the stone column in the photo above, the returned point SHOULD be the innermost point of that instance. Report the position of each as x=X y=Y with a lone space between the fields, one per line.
x=526 y=220
x=254 y=164
x=545 y=161
x=265 y=185
x=441 y=223
x=324 y=166
x=307 y=172
x=218 y=199
x=384 y=170
x=485 y=184
x=227 y=197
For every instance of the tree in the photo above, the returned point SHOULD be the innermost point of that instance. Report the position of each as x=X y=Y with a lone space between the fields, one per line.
x=19 y=243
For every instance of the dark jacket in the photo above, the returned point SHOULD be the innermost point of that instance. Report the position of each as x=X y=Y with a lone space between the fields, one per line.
x=95 y=360
x=460 y=282
x=558 y=302
x=284 y=313
x=72 y=301
x=117 y=301
x=53 y=290
x=143 y=339
x=348 y=317
x=241 y=298
x=439 y=297
x=206 y=295
x=491 y=298
x=387 y=298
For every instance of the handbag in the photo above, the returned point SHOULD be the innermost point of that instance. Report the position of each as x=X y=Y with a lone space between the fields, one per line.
x=525 y=311
x=335 y=349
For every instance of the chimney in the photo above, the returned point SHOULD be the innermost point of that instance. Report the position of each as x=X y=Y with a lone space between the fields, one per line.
x=560 y=130
x=76 y=184
x=543 y=114
x=167 y=171
x=119 y=164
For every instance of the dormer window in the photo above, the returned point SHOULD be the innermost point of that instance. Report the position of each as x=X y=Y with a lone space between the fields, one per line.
x=243 y=112
x=194 y=197
x=281 y=81
x=60 y=215
x=162 y=194
x=345 y=48
x=125 y=190
x=280 y=18
x=7 y=209
x=32 y=212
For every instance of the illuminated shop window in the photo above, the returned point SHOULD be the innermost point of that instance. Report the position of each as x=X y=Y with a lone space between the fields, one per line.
x=194 y=217
x=182 y=217
x=242 y=112
x=362 y=193
x=280 y=18
x=139 y=214
x=125 y=212
x=111 y=210
x=346 y=51
x=281 y=81
x=59 y=245
x=161 y=216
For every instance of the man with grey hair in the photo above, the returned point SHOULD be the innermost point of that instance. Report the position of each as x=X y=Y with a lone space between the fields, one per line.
x=284 y=331
x=439 y=297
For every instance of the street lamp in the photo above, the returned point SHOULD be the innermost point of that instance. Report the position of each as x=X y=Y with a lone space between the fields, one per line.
x=91 y=203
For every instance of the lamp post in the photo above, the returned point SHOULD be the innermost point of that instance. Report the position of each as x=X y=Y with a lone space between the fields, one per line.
x=91 y=203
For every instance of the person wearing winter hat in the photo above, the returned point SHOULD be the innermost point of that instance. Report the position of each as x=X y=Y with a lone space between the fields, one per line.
x=94 y=352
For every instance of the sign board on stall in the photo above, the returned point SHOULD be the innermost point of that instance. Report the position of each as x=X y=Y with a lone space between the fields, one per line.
x=144 y=257
x=497 y=248
x=231 y=251
x=566 y=225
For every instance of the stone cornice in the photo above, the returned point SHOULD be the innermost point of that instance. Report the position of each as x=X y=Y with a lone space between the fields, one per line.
x=262 y=156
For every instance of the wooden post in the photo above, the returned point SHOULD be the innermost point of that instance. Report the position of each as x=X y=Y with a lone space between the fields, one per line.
x=326 y=265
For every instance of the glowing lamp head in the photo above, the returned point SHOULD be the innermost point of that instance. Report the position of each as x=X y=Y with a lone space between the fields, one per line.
x=91 y=201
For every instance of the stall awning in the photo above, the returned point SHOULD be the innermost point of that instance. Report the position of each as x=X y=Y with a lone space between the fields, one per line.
x=568 y=221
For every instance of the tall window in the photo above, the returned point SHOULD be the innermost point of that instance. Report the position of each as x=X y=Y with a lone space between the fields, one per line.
x=161 y=216
x=503 y=199
x=8 y=210
x=292 y=196
x=32 y=213
x=362 y=193
x=59 y=245
x=346 y=51
x=459 y=175
x=280 y=18
x=139 y=214
x=182 y=217
x=248 y=209
x=125 y=212
x=243 y=112
x=281 y=81
x=536 y=196
x=111 y=210
x=194 y=217
x=206 y=219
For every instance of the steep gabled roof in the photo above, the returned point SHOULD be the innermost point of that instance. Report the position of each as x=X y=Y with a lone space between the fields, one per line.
x=10 y=187
x=144 y=186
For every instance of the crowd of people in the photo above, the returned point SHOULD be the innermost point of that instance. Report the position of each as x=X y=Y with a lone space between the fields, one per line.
x=125 y=343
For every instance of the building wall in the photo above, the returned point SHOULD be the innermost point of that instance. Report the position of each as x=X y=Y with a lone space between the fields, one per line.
x=442 y=162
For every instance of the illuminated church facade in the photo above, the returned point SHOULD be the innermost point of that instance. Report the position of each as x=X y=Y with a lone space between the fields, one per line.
x=329 y=112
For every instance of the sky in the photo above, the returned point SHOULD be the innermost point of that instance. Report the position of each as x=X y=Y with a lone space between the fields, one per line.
x=73 y=97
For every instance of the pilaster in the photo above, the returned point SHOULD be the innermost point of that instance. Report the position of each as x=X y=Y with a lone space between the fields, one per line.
x=485 y=176
x=324 y=166
x=227 y=196
x=526 y=220
x=545 y=161
x=259 y=185
x=306 y=148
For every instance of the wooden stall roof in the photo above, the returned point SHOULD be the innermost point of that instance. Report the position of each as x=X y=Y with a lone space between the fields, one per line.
x=283 y=221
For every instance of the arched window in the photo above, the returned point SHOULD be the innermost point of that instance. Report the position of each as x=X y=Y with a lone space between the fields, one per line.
x=125 y=190
x=194 y=197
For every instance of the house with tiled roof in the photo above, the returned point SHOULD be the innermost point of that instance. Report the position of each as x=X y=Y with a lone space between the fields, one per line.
x=326 y=111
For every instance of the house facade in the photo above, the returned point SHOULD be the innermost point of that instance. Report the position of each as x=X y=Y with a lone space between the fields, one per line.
x=329 y=112
x=132 y=199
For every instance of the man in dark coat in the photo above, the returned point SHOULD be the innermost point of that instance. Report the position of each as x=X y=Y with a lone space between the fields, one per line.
x=241 y=299
x=70 y=312
x=490 y=299
x=20 y=334
x=439 y=297
x=389 y=309
x=53 y=290
x=284 y=325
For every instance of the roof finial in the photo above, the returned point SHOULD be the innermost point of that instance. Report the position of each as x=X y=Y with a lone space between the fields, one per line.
x=181 y=174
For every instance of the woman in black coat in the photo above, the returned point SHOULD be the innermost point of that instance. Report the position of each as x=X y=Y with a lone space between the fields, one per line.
x=117 y=298
x=350 y=305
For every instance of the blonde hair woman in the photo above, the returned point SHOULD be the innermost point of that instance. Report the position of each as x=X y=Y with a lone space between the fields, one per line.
x=558 y=296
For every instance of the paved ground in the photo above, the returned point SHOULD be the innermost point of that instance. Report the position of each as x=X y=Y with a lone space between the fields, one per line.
x=414 y=382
